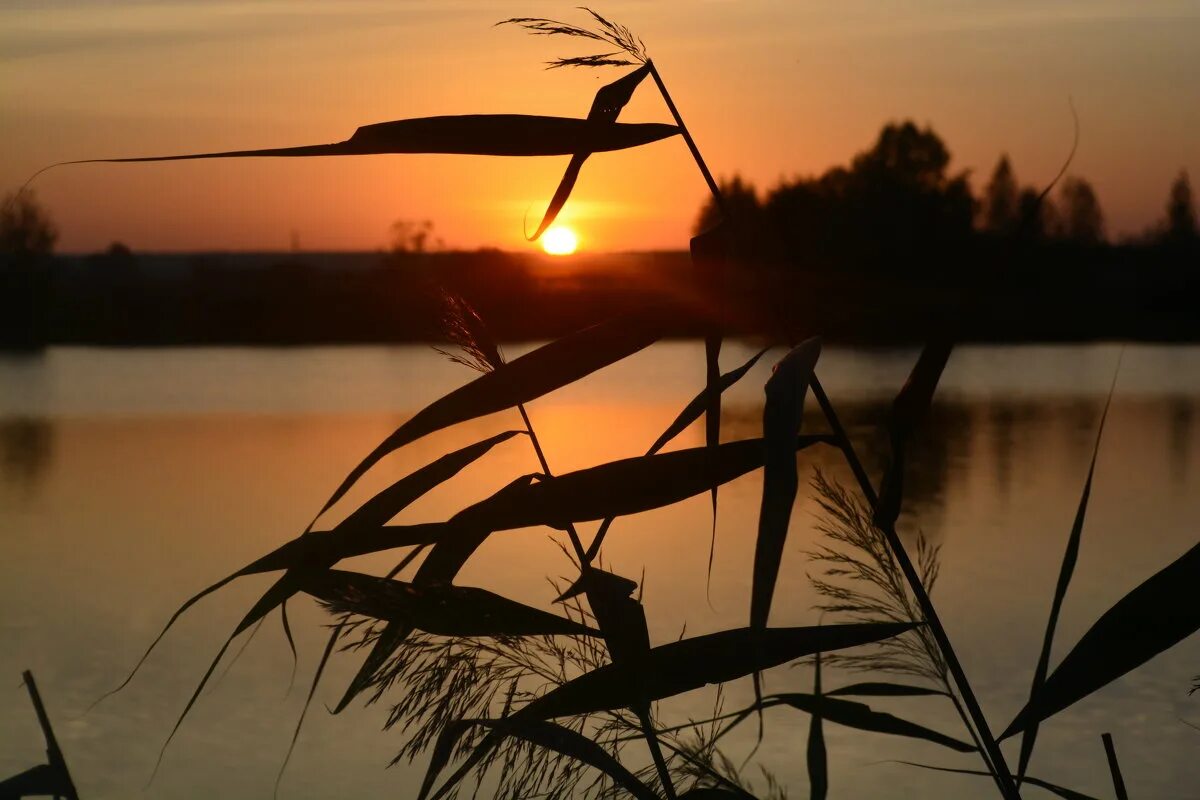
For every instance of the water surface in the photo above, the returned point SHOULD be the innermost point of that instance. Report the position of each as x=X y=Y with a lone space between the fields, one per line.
x=131 y=478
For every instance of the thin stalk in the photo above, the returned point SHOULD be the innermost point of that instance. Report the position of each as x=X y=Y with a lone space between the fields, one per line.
x=691 y=143
x=584 y=566
x=660 y=763
x=1114 y=767
x=580 y=553
x=991 y=753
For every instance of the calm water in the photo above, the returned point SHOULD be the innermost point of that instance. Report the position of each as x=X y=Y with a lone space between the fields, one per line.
x=131 y=478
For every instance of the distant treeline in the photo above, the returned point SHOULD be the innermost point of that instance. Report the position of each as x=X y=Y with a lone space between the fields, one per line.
x=887 y=250
x=898 y=207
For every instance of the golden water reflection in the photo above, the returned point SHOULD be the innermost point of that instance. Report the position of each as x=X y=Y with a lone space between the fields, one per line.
x=110 y=518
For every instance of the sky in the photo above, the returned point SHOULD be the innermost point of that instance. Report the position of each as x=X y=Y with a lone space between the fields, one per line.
x=770 y=90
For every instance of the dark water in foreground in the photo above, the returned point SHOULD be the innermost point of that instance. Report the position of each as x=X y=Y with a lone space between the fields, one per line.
x=130 y=479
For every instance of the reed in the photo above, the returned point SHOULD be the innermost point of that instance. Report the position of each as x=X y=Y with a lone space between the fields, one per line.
x=566 y=702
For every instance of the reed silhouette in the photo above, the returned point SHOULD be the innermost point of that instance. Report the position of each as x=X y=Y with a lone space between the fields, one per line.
x=565 y=702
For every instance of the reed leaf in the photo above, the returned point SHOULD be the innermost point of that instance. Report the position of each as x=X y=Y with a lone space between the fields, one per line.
x=1066 y=571
x=467 y=134
x=782 y=413
x=521 y=380
x=1061 y=791
x=864 y=718
x=35 y=782
x=908 y=409
x=626 y=486
x=574 y=745
x=1114 y=767
x=818 y=763
x=690 y=413
x=1156 y=615
x=689 y=664
x=606 y=107
x=443 y=610
x=360 y=533
x=875 y=689
x=376 y=512
x=712 y=425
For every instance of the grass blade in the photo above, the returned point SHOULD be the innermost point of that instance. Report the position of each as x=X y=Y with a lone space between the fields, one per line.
x=872 y=689
x=617 y=488
x=1114 y=767
x=1061 y=791
x=376 y=512
x=443 y=610
x=908 y=409
x=534 y=374
x=782 y=413
x=574 y=745
x=689 y=664
x=712 y=427
x=698 y=405
x=690 y=413
x=1066 y=571
x=864 y=718
x=467 y=134
x=818 y=764
x=606 y=107
x=1156 y=615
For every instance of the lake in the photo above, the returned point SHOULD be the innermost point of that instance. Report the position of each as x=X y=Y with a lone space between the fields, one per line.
x=130 y=479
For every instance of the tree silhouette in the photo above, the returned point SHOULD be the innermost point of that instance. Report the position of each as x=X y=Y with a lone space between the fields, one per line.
x=1080 y=219
x=1181 y=211
x=26 y=230
x=1000 y=209
x=741 y=200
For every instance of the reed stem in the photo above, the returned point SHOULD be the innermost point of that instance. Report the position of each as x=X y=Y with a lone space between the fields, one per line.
x=718 y=198
x=991 y=753
x=585 y=565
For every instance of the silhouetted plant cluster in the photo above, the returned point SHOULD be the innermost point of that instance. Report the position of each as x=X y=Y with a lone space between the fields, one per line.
x=566 y=702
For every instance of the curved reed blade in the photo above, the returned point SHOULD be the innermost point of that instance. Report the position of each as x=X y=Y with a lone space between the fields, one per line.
x=698 y=405
x=689 y=664
x=1066 y=571
x=862 y=717
x=712 y=429
x=1061 y=791
x=274 y=596
x=390 y=638
x=527 y=378
x=376 y=512
x=35 y=782
x=312 y=690
x=818 y=763
x=444 y=610
x=782 y=413
x=1156 y=615
x=908 y=409
x=606 y=107
x=178 y=613
x=572 y=744
x=453 y=550
x=466 y=134
x=690 y=413
x=1114 y=767
x=358 y=534
x=874 y=689
x=618 y=488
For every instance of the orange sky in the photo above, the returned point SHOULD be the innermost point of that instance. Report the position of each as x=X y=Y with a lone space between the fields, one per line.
x=769 y=89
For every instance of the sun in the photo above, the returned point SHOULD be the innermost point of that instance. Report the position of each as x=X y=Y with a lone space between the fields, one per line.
x=560 y=241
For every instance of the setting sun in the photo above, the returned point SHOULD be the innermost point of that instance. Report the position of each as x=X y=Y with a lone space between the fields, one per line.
x=560 y=241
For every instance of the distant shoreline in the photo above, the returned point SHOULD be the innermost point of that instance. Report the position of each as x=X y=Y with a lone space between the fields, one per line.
x=983 y=294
